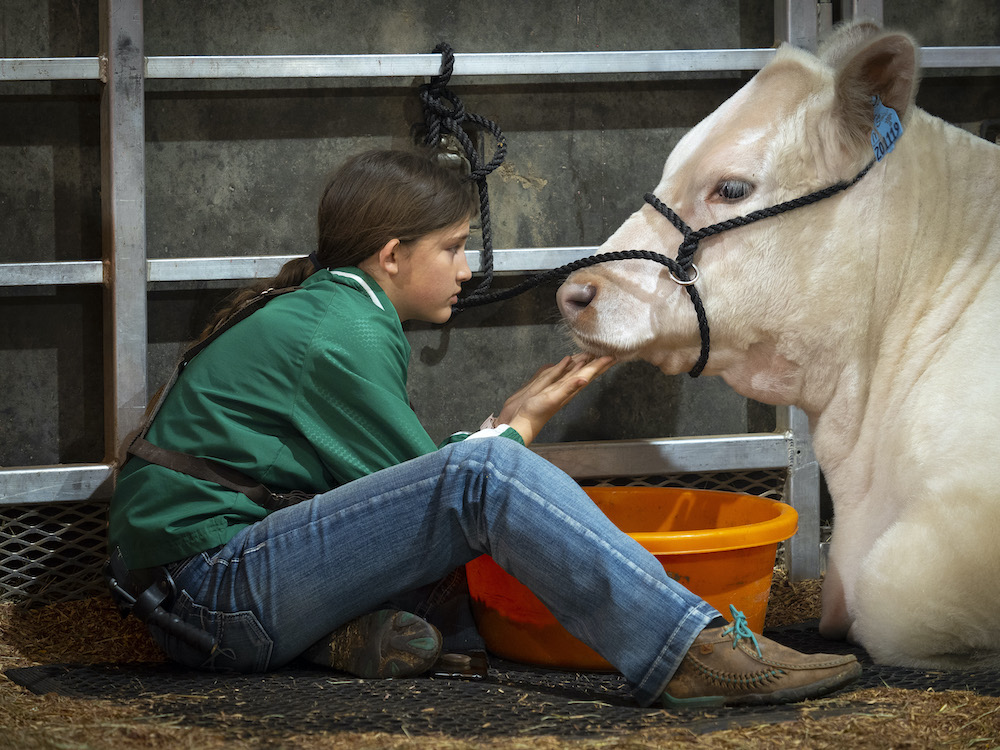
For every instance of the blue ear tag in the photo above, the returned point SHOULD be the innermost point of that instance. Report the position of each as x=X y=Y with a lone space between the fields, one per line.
x=886 y=130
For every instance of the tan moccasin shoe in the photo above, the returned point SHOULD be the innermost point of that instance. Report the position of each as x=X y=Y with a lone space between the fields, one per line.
x=730 y=666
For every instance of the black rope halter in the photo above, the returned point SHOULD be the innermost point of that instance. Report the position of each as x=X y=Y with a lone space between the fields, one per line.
x=682 y=268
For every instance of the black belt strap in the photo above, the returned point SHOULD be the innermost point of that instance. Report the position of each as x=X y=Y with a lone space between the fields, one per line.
x=204 y=468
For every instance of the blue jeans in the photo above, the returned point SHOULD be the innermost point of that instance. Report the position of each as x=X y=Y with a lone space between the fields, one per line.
x=283 y=583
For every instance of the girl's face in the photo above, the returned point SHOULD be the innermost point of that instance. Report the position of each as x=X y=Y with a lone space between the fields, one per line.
x=431 y=273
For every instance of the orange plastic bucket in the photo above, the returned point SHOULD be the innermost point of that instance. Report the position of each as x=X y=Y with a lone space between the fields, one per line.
x=719 y=545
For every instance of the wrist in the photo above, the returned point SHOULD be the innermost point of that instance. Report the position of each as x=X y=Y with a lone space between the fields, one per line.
x=522 y=427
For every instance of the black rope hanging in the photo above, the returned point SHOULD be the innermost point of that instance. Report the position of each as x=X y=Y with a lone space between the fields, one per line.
x=445 y=113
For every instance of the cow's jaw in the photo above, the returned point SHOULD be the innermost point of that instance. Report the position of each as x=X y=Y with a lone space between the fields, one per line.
x=763 y=373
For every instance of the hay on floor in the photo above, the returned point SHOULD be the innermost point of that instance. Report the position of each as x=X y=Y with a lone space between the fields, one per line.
x=90 y=631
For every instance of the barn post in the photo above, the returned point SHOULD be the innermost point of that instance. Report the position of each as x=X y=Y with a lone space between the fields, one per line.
x=802 y=493
x=123 y=178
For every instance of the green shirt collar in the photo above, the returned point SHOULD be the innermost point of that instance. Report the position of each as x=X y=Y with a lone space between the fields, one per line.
x=355 y=278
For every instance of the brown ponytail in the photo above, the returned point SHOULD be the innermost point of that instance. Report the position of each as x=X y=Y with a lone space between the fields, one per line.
x=374 y=197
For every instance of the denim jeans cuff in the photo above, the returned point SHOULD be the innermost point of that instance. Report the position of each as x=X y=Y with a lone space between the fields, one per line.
x=654 y=682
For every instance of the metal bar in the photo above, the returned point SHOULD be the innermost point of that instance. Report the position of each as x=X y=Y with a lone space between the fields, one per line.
x=466 y=64
x=265 y=266
x=123 y=185
x=222 y=268
x=795 y=22
x=255 y=267
x=824 y=18
x=802 y=493
x=667 y=455
x=510 y=260
x=581 y=460
x=65 y=272
x=802 y=32
x=50 y=68
x=861 y=10
x=792 y=25
x=531 y=259
x=960 y=57
x=55 y=484
x=798 y=22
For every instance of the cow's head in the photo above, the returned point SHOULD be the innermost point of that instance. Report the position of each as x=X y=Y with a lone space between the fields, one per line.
x=774 y=290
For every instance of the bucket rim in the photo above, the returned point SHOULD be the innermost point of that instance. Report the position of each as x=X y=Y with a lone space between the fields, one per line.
x=745 y=536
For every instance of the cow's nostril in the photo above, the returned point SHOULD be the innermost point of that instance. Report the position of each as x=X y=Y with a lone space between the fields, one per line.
x=573 y=298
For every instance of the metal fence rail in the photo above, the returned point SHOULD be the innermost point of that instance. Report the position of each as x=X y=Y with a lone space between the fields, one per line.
x=265 y=67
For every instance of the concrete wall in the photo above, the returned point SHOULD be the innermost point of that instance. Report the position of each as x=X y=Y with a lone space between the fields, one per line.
x=234 y=170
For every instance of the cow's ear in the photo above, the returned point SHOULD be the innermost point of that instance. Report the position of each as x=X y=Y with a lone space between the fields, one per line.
x=869 y=62
x=845 y=41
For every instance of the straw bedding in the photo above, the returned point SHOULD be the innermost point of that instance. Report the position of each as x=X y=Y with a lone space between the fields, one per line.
x=91 y=632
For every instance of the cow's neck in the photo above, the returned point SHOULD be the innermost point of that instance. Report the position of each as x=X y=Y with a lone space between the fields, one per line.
x=937 y=245
x=918 y=268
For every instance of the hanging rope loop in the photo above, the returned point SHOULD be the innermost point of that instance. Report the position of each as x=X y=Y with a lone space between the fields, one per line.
x=445 y=113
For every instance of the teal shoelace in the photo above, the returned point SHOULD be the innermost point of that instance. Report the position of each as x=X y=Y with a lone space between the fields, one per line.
x=740 y=630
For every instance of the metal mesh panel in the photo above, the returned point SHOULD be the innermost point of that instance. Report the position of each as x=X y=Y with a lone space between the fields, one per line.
x=765 y=483
x=54 y=552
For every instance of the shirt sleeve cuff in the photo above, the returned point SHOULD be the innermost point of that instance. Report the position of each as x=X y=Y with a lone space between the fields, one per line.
x=500 y=430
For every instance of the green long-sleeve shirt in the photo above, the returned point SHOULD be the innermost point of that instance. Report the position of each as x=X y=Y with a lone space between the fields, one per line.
x=308 y=393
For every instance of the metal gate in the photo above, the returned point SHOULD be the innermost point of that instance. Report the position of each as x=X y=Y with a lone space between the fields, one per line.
x=53 y=518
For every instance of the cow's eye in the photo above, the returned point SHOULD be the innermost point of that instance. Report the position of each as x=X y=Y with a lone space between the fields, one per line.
x=734 y=190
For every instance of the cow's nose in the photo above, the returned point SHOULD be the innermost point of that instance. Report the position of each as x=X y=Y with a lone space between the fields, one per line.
x=574 y=298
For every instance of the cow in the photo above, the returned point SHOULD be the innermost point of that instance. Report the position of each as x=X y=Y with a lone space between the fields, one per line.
x=875 y=309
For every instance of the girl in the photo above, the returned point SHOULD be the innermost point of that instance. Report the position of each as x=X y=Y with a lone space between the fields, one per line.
x=309 y=394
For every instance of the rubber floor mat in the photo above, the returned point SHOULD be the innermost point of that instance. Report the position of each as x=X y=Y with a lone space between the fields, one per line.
x=513 y=700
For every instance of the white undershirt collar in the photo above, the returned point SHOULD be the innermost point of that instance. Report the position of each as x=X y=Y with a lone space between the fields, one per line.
x=364 y=285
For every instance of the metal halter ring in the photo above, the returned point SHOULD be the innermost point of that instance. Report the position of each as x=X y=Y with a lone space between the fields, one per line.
x=690 y=281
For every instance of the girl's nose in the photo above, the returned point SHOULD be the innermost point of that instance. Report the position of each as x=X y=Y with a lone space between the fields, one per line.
x=464 y=272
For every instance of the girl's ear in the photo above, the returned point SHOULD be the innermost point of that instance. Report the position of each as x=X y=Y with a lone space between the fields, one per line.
x=388 y=257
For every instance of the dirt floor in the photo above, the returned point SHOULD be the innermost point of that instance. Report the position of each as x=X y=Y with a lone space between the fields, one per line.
x=91 y=632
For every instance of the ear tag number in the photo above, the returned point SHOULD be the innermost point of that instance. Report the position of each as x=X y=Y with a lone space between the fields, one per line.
x=886 y=131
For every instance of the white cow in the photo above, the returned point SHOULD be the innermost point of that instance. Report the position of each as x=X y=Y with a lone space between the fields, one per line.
x=877 y=311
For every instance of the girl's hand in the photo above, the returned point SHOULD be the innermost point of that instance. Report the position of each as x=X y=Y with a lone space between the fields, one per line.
x=548 y=391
